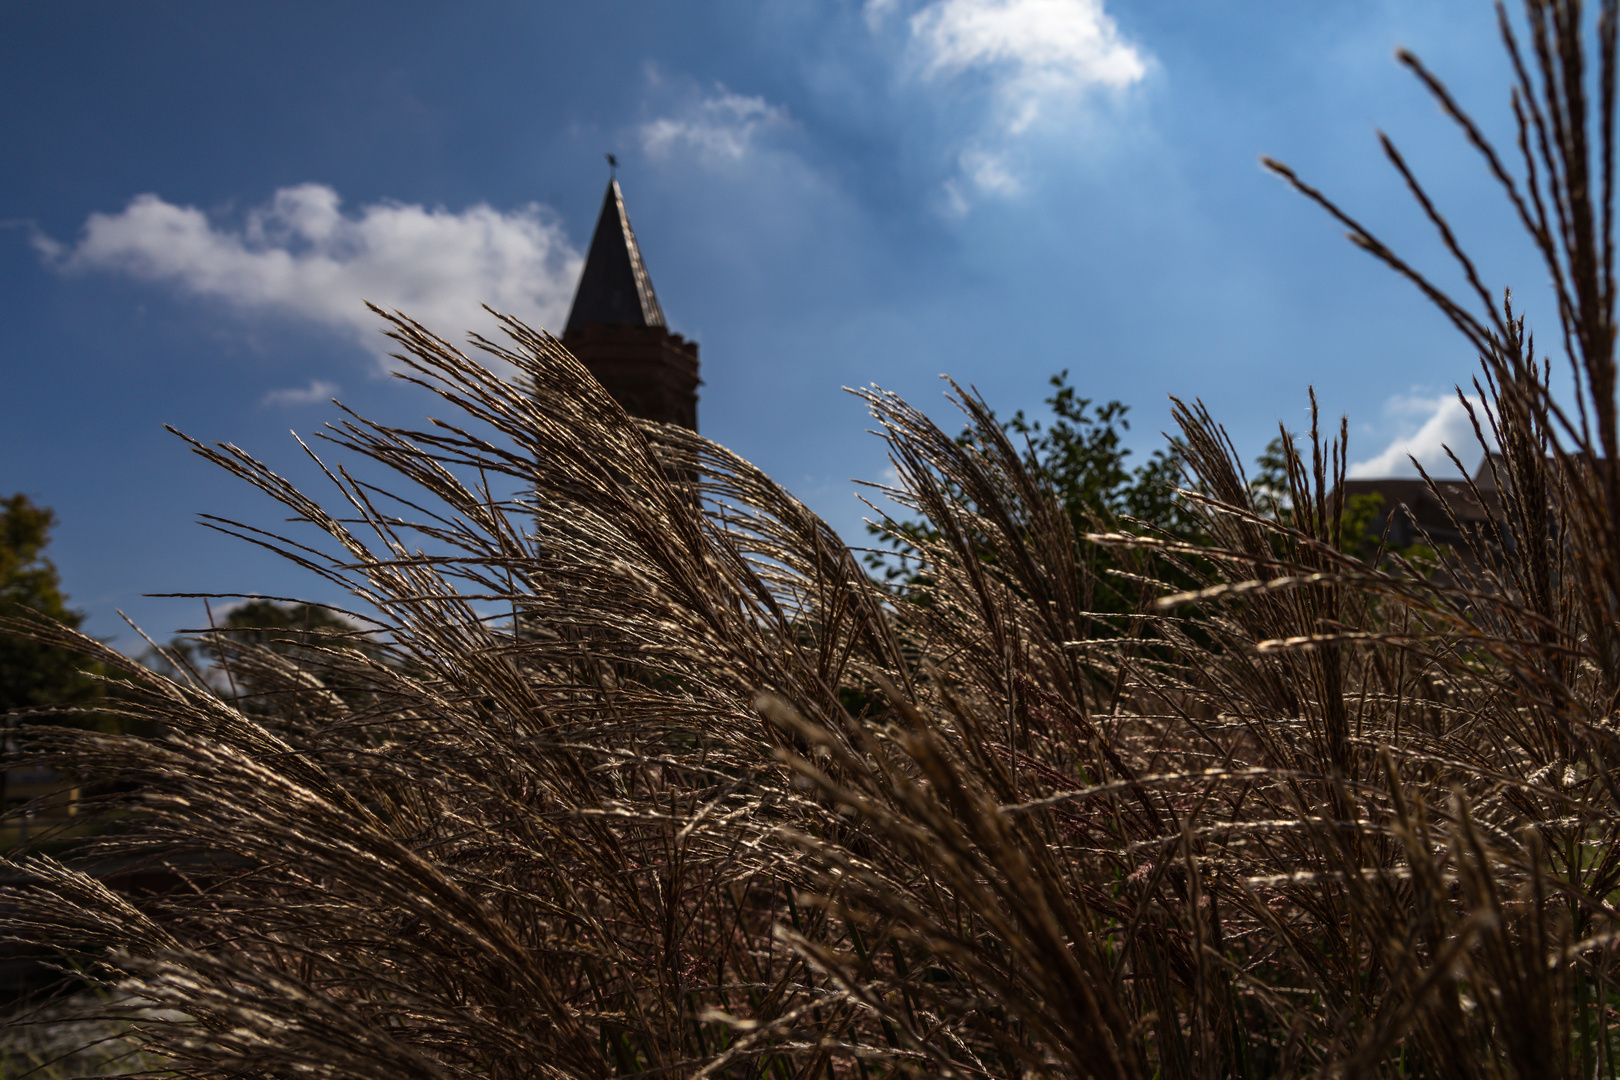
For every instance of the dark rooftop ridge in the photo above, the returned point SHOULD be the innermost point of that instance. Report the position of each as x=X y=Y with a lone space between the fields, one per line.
x=614 y=287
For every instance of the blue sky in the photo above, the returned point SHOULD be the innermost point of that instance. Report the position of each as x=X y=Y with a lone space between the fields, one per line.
x=198 y=195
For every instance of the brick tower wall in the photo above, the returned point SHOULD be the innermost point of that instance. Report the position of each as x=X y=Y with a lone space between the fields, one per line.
x=651 y=373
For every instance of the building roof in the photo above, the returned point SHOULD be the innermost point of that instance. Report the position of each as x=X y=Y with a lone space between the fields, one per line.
x=614 y=287
x=1412 y=508
x=1419 y=499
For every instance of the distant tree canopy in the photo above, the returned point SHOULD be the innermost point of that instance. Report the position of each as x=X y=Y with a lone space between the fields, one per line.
x=1079 y=450
x=34 y=674
x=304 y=636
x=282 y=627
x=257 y=642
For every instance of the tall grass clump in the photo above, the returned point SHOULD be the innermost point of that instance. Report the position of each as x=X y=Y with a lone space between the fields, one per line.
x=639 y=774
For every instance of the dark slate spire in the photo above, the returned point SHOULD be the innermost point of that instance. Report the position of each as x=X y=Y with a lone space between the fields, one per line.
x=614 y=287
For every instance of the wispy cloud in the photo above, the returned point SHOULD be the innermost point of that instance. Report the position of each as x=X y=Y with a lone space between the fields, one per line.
x=980 y=172
x=318 y=390
x=1430 y=424
x=1033 y=57
x=1034 y=49
x=716 y=129
x=302 y=255
x=989 y=172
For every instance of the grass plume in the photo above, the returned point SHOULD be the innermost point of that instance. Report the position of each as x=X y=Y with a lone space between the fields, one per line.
x=640 y=774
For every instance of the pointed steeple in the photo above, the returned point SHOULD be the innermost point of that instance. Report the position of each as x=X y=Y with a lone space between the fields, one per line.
x=617 y=330
x=614 y=288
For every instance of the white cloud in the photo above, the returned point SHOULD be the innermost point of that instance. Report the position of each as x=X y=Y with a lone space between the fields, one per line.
x=1031 y=58
x=1035 y=50
x=318 y=390
x=989 y=172
x=301 y=255
x=980 y=172
x=715 y=130
x=1432 y=423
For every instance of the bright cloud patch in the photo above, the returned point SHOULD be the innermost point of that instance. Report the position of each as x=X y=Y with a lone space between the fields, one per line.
x=301 y=255
x=1434 y=423
x=980 y=173
x=715 y=129
x=989 y=172
x=1033 y=58
x=1035 y=49
x=317 y=391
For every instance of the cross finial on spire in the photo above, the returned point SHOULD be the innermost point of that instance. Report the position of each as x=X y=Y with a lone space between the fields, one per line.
x=613 y=167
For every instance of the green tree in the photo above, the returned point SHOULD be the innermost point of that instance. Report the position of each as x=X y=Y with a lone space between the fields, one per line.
x=230 y=657
x=1080 y=451
x=285 y=628
x=304 y=634
x=35 y=674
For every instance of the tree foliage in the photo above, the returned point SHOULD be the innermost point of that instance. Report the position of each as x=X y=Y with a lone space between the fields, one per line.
x=259 y=642
x=35 y=674
x=1078 y=452
x=1081 y=452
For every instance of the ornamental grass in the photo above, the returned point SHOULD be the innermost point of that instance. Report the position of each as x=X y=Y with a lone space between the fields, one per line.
x=638 y=772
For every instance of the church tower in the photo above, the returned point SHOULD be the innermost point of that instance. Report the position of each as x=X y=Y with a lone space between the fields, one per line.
x=617 y=330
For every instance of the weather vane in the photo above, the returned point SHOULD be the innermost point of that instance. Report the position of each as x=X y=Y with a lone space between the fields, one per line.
x=613 y=167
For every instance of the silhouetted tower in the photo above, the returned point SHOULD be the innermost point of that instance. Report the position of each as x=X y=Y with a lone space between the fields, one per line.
x=617 y=330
